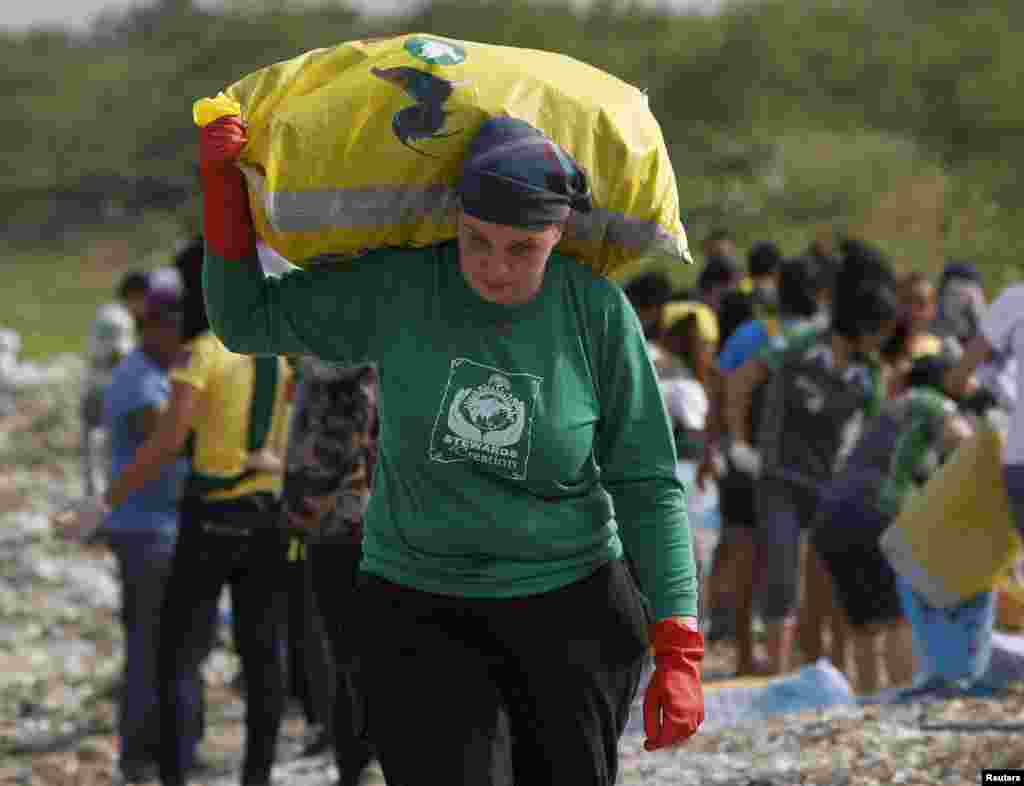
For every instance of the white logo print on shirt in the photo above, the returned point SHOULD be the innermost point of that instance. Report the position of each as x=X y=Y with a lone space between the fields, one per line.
x=486 y=416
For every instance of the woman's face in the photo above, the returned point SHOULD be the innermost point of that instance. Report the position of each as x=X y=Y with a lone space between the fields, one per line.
x=921 y=307
x=504 y=264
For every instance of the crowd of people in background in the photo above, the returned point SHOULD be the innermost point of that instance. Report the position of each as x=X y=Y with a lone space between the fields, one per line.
x=809 y=396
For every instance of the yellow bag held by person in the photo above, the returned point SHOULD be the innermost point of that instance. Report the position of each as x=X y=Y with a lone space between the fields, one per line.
x=358 y=146
x=957 y=536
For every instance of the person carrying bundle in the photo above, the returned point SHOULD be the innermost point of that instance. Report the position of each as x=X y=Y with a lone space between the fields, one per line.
x=898 y=451
x=523 y=448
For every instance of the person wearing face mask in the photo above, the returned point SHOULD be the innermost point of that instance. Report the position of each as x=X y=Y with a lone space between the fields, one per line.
x=524 y=449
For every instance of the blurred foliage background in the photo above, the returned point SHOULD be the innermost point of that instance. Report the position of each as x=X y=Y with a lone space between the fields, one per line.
x=786 y=120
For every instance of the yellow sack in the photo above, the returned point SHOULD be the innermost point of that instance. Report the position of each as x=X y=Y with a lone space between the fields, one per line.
x=357 y=146
x=957 y=537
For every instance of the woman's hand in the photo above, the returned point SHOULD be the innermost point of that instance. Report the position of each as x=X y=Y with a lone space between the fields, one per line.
x=314 y=511
x=674 y=701
x=746 y=459
x=711 y=467
x=264 y=461
x=221 y=143
x=227 y=223
x=79 y=522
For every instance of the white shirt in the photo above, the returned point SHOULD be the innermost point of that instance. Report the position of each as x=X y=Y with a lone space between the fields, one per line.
x=1003 y=328
x=687 y=405
x=686 y=402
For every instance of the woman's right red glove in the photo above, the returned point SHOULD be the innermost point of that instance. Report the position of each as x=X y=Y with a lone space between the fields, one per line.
x=674 y=700
x=227 y=221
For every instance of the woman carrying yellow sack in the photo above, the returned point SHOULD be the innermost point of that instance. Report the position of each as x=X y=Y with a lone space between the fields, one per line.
x=523 y=448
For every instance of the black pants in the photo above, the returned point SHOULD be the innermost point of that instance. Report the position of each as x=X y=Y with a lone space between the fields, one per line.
x=531 y=690
x=211 y=553
x=335 y=569
x=309 y=672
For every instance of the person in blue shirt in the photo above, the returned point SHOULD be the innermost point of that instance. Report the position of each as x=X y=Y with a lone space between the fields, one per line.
x=142 y=531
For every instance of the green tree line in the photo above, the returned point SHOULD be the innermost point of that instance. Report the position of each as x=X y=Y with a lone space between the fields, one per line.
x=785 y=118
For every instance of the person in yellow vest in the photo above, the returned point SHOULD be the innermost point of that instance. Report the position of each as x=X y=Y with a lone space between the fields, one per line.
x=231 y=412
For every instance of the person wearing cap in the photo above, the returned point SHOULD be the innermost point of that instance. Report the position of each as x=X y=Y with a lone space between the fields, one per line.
x=524 y=449
x=819 y=384
x=142 y=531
x=896 y=453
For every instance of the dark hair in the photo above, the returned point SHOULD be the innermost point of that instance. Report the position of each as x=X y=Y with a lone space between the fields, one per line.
x=895 y=347
x=734 y=309
x=764 y=259
x=718 y=271
x=134 y=282
x=648 y=289
x=799 y=285
x=865 y=309
x=189 y=262
x=861 y=262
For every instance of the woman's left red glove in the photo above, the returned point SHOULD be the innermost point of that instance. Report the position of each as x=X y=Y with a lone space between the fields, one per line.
x=221 y=143
x=227 y=222
x=674 y=702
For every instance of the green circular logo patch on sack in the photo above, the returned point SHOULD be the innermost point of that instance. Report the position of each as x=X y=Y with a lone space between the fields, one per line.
x=435 y=52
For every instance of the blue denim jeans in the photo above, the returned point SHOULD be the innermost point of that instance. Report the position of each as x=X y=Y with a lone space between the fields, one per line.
x=144 y=563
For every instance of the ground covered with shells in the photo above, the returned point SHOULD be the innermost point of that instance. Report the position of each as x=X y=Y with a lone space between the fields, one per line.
x=60 y=656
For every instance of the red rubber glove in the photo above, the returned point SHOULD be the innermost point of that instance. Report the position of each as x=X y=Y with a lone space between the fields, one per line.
x=227 y=222
x=674 y=702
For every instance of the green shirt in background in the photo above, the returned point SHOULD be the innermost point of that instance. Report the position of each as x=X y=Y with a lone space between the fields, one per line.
x=517 y=443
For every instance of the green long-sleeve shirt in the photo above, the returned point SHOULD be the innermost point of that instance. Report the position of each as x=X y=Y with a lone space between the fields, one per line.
x=516 y=442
